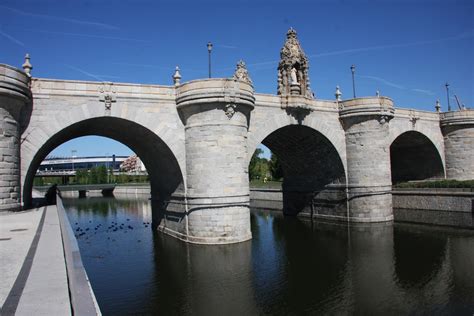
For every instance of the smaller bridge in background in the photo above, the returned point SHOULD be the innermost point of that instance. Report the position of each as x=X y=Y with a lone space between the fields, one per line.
x=105 y=189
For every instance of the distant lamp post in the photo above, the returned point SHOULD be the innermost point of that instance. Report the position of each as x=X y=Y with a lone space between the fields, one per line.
x=107 y=164
x=447 y=95
x=353 y=68
x=73 y=152
x=209 y=49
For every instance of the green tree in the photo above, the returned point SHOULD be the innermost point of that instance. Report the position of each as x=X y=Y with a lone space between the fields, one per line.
x=275 y=168
x=253 y=171
x=101 y=174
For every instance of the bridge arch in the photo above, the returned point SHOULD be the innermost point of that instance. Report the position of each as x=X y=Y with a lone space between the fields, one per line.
x=266 y=121
x=162 y=164
x=414 y=156
x=314 y=173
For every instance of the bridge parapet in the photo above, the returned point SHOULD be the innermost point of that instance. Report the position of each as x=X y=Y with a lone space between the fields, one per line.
x=458 y=132
x=42 y=87
x=368 y=106
x=456 y=118
x=14 y=89
x=418 y=114
x=215 y=91
x=14 y=96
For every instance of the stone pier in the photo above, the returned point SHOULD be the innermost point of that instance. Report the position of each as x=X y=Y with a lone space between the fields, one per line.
x=216 y=113
x=14 y=95
x=458 y=131
x=366 y=122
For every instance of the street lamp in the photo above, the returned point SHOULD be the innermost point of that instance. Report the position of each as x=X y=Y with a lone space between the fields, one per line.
x=353 y=68
x=447 y=94
x=72 y=154
x=209 y=49
x=107 y=164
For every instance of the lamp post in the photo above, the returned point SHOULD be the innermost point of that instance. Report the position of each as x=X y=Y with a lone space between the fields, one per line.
x=72 y=154
x=447 y=95
x=73 y=173
x=107 y=164
x=209 y=49
x=353 y=68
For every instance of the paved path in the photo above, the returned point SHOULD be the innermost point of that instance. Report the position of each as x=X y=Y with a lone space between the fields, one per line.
x=32 y=265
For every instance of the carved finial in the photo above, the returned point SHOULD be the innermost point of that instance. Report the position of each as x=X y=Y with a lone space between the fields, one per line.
x=177 y=77
x=438 y=106
x=241 y=72
x=338 y=94
x=377 y=94
x=291 y=33
x=27 y=65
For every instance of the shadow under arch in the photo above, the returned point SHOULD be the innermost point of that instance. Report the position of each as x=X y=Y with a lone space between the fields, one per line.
x=313 y=172
x=161 y=163
x=414 y=157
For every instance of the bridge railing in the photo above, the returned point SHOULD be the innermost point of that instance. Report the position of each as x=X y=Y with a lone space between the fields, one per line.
x=82 y=298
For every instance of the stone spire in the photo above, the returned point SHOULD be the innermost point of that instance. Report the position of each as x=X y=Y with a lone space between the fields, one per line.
x=27 y=67
x=241 y=72
x=293 y=68
x=177 y=77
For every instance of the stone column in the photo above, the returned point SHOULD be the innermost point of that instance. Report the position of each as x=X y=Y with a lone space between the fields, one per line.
x=14 y=94
x=366 y=122
x=458 y=131
x=216 y=114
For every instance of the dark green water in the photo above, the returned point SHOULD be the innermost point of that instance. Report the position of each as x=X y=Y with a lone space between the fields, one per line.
x=291 y=266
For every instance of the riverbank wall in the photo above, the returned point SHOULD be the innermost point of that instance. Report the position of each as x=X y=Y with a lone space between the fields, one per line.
x=447 y=207
x=436 y=206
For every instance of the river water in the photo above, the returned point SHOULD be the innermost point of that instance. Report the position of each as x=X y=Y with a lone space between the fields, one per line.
x=291 y=266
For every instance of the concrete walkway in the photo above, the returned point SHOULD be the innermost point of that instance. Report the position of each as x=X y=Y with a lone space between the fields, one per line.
x=32 y=264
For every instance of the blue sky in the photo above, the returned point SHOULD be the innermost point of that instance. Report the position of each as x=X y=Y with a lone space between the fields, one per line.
x=405 y=49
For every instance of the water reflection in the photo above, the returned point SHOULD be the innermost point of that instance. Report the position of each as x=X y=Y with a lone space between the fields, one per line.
x=291 y=266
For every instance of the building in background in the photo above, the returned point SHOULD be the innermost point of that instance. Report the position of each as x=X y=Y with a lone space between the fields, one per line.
x=52 y=166
x=133 y=164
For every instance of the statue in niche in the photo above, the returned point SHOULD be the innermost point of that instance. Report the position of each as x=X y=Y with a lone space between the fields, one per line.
x=293 y=67
x=294 y=78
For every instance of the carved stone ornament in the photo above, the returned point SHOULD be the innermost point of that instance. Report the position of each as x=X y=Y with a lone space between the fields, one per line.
x=241 y=73
x=230 y=110
x=413 y=118
x=293 y=67
x=107 y=94
x=383 y=119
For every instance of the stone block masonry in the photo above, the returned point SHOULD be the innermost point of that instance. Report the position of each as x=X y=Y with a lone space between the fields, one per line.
x=14 y=95
x=216 y=122
x=366 y=122
x=458 y=130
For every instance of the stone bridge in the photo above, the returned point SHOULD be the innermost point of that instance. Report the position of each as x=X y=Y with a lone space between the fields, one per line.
x=339 y=157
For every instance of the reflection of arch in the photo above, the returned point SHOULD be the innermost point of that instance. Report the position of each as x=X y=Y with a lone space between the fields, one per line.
x=419 y=255
x=160 y=161
x=311 y=164
x=413 y=156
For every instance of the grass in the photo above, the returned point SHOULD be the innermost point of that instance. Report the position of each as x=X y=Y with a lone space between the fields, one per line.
x=437 y=184
x=268 y=185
